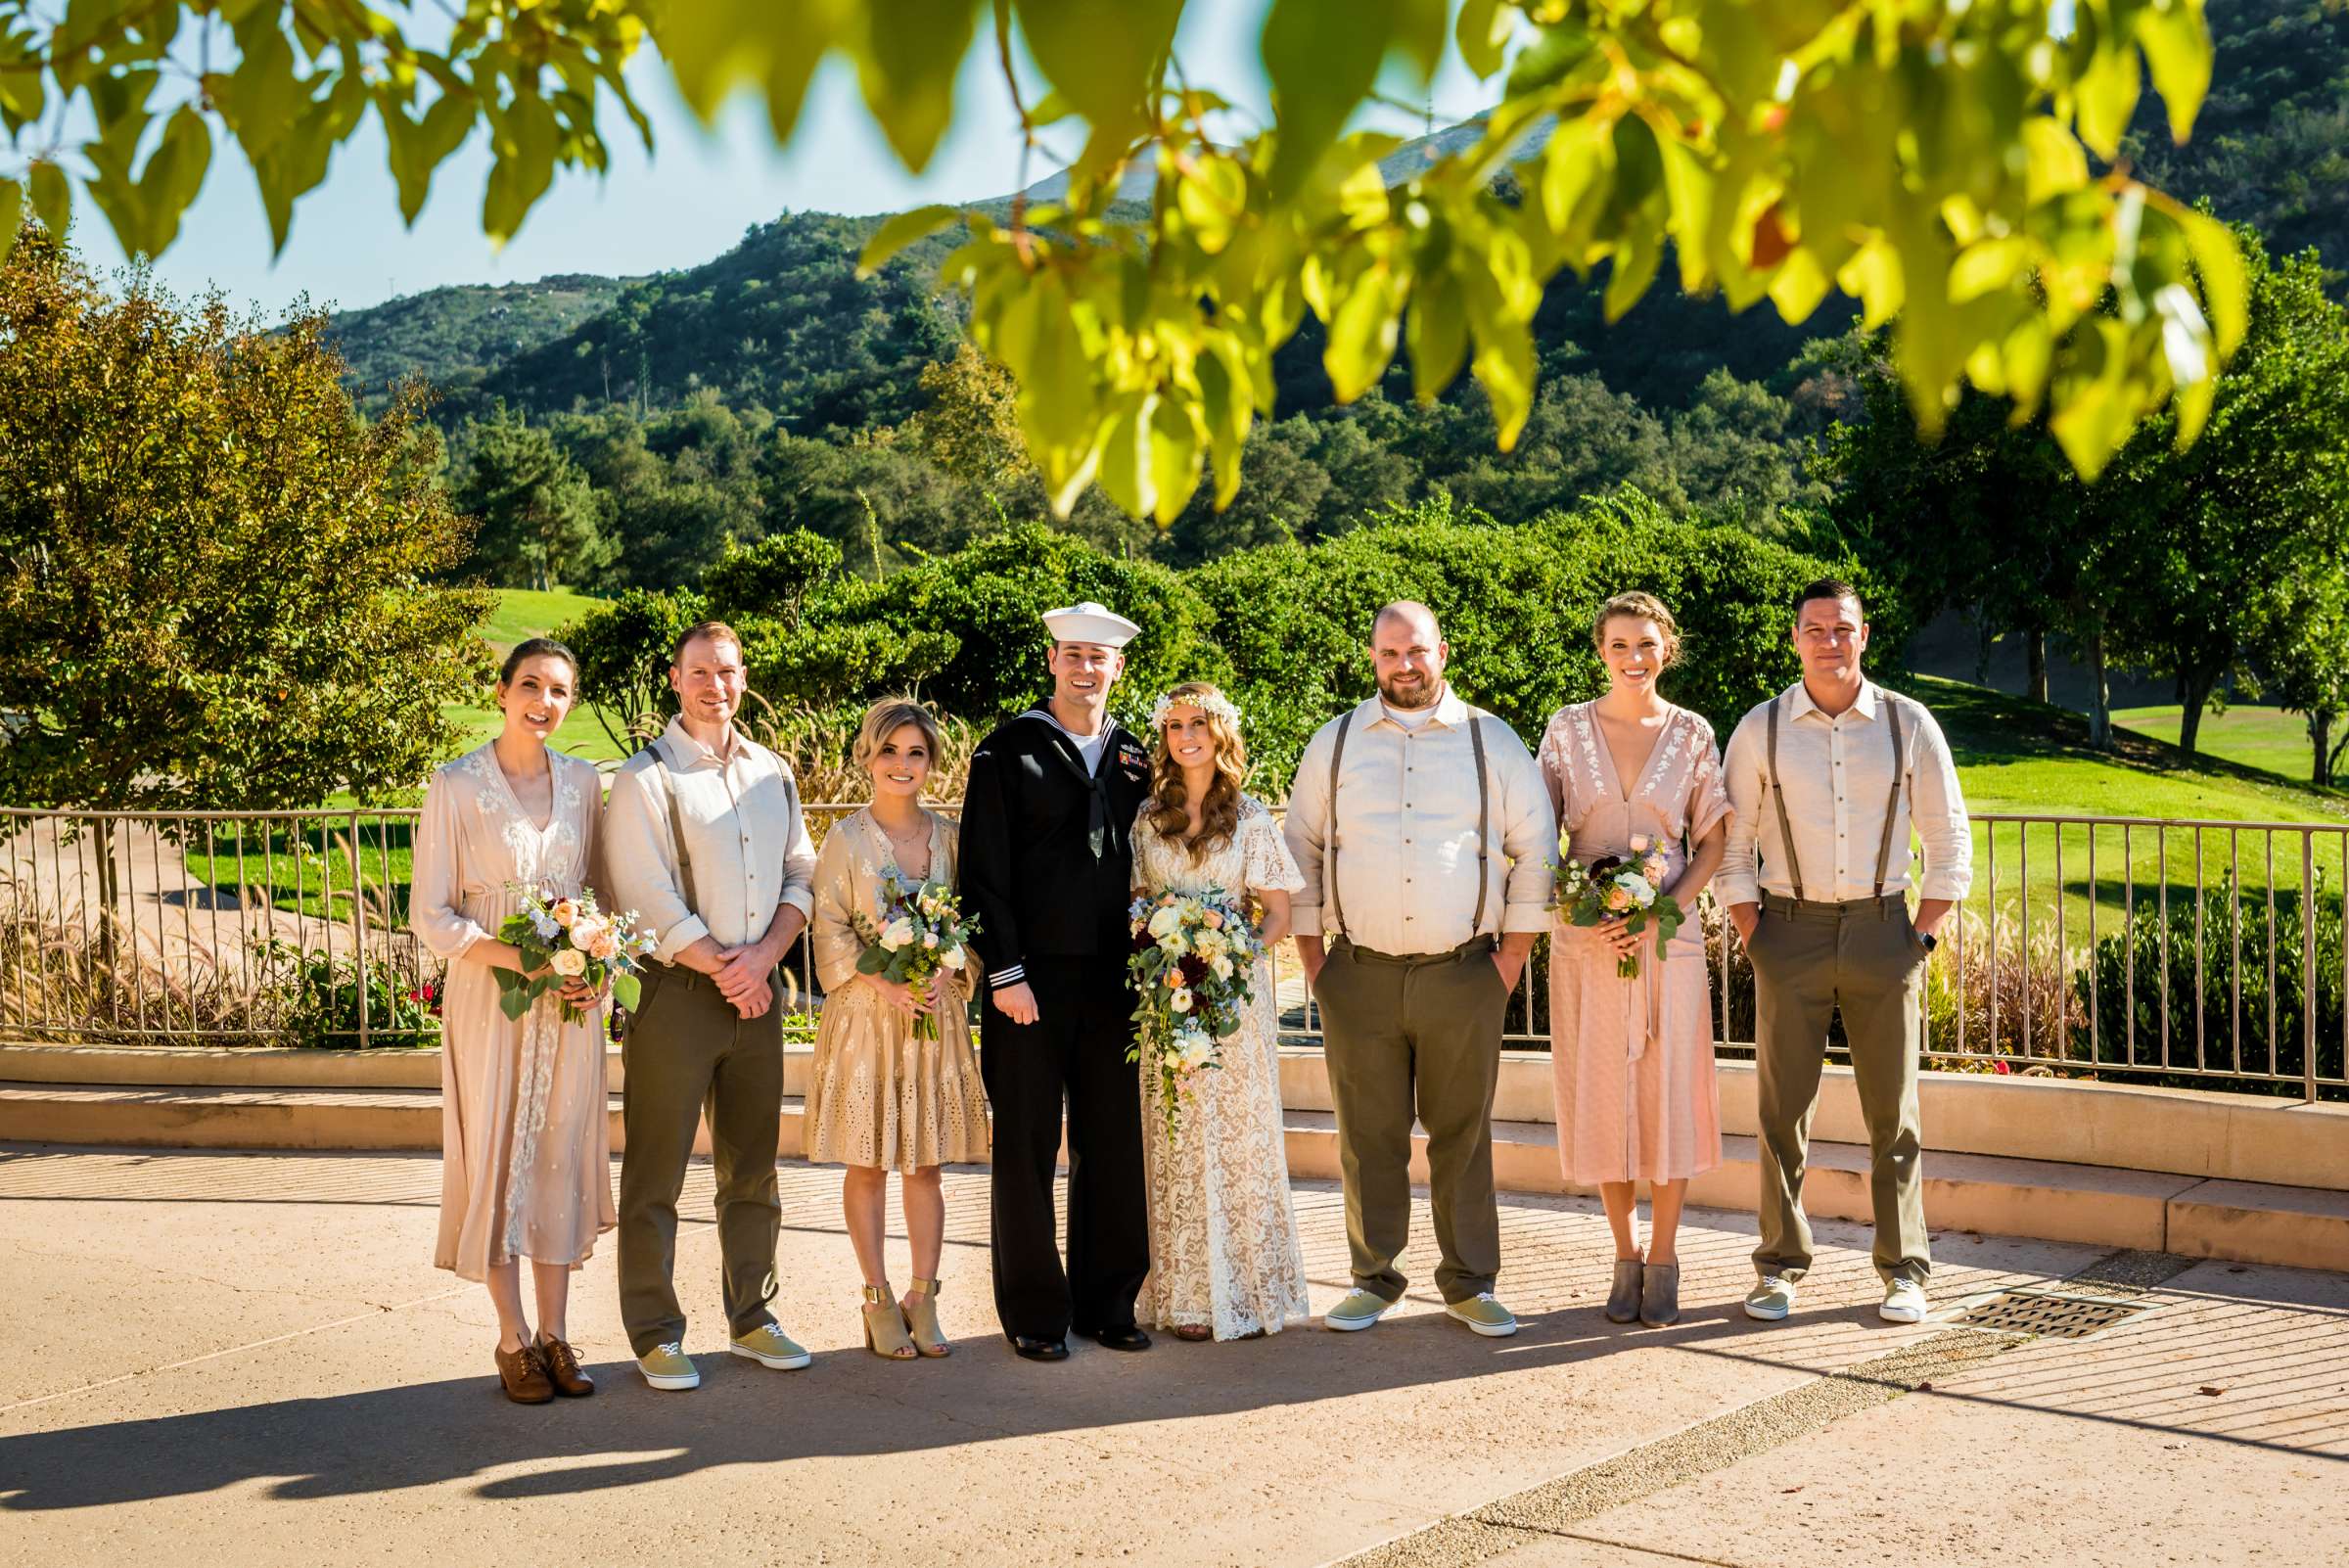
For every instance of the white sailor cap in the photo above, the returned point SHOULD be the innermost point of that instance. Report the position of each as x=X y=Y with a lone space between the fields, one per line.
x=1090 y=622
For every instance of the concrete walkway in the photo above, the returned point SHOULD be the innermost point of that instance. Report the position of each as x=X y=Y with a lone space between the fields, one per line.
x=230 y=1359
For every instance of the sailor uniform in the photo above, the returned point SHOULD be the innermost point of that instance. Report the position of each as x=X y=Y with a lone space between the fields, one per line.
x=1047 y=870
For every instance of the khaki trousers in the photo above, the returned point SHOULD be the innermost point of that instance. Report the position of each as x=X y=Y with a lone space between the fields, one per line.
x=1811 y=959
x=686 y=1050
x=1421 y=1036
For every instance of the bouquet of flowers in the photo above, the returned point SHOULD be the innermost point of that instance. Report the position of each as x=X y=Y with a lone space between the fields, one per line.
x=569 y=939
x=1193 y=957
x=1621 y=888
x=923 y=933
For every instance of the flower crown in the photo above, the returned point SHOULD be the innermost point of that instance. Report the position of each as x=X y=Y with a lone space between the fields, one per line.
x=1215 y=703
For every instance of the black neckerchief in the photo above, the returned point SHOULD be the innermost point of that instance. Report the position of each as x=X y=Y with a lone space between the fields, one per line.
x=1096 y=782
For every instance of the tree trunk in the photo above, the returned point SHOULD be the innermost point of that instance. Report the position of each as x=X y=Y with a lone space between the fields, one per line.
x=2099 y=713
x=2034 y=658
x=1983 y=639
x=2193 y=695
x=2319 y=736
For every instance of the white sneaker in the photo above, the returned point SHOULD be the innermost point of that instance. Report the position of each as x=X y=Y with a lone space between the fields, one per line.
x=1904 y=1303
x=1771 y=1299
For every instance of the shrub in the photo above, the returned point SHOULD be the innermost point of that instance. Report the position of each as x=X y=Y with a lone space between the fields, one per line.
x=320 y=992
x=2130 y=982
x=622 y=646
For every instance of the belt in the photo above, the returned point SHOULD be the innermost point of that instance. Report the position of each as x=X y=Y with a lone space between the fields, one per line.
x=1882 y=907
x=1474 y=946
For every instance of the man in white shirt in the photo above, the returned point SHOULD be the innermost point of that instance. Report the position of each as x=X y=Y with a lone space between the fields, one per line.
x=705 y=840
x=1827 y=781
x=1425 y=839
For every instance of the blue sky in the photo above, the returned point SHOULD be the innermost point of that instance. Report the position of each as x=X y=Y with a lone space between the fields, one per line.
x=688 y=202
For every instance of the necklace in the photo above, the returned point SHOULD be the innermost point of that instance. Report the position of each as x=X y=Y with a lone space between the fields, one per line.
x=921 y=830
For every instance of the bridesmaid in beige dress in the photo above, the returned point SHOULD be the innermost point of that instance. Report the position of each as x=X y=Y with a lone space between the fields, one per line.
x=1634 y=1058
x=879 y=1098
x=526 y=1161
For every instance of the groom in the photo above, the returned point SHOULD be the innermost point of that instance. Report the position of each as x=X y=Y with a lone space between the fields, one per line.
x=1047 y=820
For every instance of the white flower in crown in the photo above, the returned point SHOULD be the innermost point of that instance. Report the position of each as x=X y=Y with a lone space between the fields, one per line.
x=1207 y=702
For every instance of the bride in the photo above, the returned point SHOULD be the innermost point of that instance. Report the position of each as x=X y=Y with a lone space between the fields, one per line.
x=1223 y=1252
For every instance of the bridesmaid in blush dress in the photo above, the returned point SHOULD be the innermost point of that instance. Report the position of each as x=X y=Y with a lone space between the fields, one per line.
x=525 y=1157
x=1634 y=1058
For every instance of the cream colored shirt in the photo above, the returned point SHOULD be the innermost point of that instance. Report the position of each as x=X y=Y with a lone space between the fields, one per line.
x=1837 y=777
x=1405 y=832
x=744 y=833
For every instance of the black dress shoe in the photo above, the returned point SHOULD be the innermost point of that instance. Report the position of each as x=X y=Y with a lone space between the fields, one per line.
x=1040 y=1350
x=1122 y=1339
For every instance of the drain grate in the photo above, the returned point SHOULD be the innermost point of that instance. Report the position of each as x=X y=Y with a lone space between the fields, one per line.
x=2052 y=1314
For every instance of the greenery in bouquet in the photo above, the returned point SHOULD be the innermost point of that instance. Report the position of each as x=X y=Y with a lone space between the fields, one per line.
x=921 y=934
x=1621 y=889
x=1194 y=957
x=563 y=940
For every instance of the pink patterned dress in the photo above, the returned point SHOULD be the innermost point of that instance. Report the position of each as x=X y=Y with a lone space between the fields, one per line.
x=1633 y=1058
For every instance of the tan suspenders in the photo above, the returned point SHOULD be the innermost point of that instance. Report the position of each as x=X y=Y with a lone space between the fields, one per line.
x=677 y=829
x=1484 y=823
x=1892 y=801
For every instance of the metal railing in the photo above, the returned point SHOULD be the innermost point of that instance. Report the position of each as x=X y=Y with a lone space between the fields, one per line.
x=2189 y=952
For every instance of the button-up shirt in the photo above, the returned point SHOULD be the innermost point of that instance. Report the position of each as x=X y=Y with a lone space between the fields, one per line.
x=1404 y=834
x=1838 y=776
x=744 y=833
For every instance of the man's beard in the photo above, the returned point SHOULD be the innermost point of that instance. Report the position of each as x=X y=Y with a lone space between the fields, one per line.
x=1424 y=694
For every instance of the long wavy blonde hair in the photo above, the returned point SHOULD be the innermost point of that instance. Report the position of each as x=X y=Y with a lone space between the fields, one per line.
x=1169 y=809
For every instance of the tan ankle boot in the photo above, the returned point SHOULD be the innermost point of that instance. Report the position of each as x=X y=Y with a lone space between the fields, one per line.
x=921 y=1319
x=885 y=1326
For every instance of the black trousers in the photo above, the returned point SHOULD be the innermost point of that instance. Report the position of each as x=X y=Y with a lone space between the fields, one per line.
x=1075 y=1051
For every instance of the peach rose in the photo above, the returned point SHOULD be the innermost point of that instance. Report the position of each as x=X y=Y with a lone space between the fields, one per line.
x=563 y=911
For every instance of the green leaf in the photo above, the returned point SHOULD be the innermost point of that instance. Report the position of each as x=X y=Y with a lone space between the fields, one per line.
x=714 y=46
x=12 y=213
x=52 y=198
x=2104 y=94
x=1322 y=57
x=2226 y=288
x=1174 y=460
x=1101 y=59
x=1361 y=333
x=516 y=1002
x=1436 y=332
x=2056 y=161
x=901 y=230
x=174 y=173
x=907 y=56
x=627 y=989
x=1483 y=34
x=524 y=141
x=2177 y=46
x=262 y=97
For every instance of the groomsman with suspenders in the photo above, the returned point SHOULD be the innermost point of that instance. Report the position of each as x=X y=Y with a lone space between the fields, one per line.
x=1849 y=769
x=1396 y=805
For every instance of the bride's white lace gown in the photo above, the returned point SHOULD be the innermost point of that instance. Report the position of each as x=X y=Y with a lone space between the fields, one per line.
x=1223 y=1250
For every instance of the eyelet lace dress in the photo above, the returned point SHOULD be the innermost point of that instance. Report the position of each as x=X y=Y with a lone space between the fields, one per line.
x=1223 y=1250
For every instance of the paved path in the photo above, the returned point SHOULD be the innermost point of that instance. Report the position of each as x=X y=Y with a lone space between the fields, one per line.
x=225 y=1359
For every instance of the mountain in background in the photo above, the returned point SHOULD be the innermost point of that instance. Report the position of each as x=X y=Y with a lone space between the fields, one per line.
x=782 y=321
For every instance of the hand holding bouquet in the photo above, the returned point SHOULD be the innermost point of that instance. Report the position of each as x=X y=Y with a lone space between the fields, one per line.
x=923 y=933
x=566 y=939
x=1195 y=956
x=1626 y=890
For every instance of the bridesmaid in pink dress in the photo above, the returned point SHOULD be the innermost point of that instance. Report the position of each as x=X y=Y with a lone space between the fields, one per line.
x=1634 y=1058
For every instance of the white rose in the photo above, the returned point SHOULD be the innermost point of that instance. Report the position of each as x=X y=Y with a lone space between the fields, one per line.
x=1642 y=891
x=1180 y=1001
x=1165 y=921
x=1220 y=967
x=951 y=958
x=898 y=934
x=569 y=963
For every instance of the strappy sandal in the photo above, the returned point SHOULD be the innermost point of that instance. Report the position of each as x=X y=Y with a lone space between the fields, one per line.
x=920 y=1306
x=885 y=1326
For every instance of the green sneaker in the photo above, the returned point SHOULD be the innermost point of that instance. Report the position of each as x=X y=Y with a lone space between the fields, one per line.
x=668 y=1367
x=1358 y=1311
x=1485 y=1314
x=769 y=1346
x=1771 y=1299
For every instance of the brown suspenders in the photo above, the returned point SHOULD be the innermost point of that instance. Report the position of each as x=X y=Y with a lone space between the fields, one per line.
x=1484 y=824
x=1892 y=801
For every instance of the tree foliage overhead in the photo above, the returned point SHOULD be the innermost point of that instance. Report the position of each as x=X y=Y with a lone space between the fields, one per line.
x=1928 y=157
x=215 y=581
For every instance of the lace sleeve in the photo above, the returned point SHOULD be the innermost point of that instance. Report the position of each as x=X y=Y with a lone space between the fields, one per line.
x=1266 y=863
x=1708 y=796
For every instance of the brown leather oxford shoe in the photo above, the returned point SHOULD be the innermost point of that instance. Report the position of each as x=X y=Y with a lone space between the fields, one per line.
x=524 y=1374
x=562 y=1365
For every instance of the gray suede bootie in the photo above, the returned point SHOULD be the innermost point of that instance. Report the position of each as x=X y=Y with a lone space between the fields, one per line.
x=1660 y=1295
x=1623 y=1302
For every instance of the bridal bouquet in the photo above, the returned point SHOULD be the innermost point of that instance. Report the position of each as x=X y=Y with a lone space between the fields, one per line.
x=567 y=939
x=1194 y=954
x=1621 y=888
x=921 y=934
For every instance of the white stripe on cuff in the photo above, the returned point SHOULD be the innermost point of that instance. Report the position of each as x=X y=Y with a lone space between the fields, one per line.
x=1016 y=975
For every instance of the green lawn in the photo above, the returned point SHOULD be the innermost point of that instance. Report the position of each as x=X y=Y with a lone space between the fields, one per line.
x=2265 y=738
x=524 y=613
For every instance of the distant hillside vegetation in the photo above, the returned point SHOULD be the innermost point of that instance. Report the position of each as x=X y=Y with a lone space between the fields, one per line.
x=455 y=337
